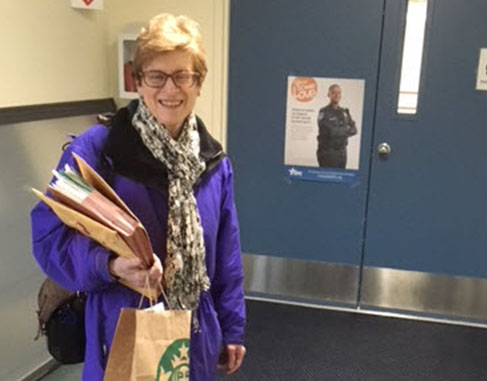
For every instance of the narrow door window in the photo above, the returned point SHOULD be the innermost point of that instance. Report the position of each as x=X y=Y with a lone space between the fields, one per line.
x=412 y=56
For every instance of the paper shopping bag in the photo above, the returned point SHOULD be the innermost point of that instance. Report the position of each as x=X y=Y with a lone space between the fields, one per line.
x=150 y=346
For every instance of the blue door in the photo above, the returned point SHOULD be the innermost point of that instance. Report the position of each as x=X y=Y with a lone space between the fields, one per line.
x=317 y=223
x=427 y=211
x=410 y=234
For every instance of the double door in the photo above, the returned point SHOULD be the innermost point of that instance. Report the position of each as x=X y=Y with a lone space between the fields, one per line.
x=413 y=216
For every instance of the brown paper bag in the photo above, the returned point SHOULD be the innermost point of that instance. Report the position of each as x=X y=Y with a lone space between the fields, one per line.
x=150 y=346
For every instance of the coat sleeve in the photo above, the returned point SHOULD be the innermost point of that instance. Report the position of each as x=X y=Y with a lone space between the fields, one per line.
x=227 y=286
x=64 y=255
x=352 y=128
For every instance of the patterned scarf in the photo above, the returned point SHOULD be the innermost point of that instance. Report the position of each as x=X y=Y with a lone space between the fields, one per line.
x=185 y=276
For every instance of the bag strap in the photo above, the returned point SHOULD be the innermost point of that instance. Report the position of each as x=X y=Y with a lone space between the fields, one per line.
x=147 y=288
x=51 y=295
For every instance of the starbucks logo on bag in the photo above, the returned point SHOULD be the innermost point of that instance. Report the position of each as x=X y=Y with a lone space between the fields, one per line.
x=174 y=363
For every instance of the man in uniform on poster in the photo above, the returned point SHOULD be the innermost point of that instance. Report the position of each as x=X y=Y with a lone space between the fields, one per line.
x=335 y=127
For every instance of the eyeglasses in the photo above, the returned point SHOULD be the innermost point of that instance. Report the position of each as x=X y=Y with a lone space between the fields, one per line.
x=157 y=79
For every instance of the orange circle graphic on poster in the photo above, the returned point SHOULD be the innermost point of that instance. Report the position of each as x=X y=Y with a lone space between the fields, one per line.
x=304 y=89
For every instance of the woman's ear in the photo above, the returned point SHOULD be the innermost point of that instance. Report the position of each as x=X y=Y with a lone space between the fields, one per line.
x=138 y=85
x=200 y=84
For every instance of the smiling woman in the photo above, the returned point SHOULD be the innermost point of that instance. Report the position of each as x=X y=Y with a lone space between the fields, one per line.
x=170 y=47
x=161 y=160
x=170 y=101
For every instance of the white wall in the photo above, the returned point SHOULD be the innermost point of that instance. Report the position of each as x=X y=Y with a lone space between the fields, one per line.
x=51 y=53
x=54 y=53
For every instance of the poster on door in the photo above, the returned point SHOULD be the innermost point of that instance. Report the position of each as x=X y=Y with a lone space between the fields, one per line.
x=323 y=129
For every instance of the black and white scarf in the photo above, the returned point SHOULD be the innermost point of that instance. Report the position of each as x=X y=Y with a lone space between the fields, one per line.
x=185 y=275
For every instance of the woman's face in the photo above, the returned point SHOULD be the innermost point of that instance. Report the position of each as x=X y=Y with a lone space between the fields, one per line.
x=170 y=104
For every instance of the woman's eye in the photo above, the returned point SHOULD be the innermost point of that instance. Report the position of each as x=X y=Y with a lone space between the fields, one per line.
x=182 y=76
x=158 y=77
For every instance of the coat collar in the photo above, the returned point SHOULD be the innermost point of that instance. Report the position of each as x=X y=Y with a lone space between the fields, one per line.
x=128 y=156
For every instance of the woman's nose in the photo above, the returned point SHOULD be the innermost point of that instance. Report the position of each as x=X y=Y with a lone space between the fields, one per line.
x=170 y=84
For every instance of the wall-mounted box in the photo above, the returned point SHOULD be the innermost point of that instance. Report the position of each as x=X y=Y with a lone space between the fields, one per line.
x=126 y=53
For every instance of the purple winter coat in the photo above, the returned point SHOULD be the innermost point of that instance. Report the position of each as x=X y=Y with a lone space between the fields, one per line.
x=78 y=263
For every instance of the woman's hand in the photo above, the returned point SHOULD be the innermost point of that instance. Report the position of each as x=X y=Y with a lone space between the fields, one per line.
x=132 y=271
x=231 y=358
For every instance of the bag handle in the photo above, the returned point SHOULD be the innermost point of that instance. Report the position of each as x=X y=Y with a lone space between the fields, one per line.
x=147 y=288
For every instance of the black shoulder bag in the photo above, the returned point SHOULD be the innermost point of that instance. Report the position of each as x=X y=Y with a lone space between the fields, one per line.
x=61 y=316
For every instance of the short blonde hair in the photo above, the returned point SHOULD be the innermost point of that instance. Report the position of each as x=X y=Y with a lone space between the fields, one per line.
x=166 y=33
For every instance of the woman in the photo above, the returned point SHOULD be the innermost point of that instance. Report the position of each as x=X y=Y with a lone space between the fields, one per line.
x=160 y=159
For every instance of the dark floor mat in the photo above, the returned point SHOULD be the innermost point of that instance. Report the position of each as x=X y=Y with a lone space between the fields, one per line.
x=296 y=343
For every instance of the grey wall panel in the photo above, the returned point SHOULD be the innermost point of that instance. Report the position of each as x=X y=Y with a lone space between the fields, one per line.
x=424 y=293
x=28 y=152
x=292 y=278
x=409 y=294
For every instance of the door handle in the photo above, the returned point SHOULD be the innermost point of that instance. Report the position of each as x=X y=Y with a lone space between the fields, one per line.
x=384 y=150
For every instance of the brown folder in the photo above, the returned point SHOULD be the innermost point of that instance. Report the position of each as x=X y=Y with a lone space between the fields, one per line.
x=105 y=218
